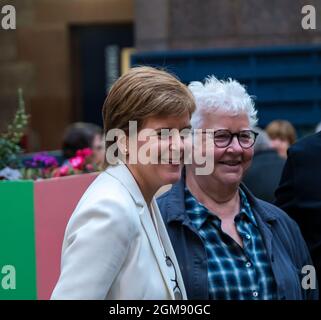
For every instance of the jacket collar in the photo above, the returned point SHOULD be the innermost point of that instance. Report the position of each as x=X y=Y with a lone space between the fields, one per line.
x=121 y=172
x=176 y=203
x=258 y=207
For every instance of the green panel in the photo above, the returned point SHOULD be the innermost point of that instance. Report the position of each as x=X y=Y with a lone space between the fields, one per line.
x=17 y=239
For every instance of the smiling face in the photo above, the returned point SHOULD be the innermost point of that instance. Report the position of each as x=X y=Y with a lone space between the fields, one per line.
x=231 y=162
x=154 y=175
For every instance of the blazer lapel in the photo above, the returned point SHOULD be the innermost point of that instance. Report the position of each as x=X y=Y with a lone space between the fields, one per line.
x=148 y=225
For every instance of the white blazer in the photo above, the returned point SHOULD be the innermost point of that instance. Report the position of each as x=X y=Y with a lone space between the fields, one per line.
x=111 y=249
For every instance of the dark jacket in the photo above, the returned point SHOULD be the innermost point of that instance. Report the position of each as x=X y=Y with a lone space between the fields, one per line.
x=299 y=192
x=263 y=177
x=285 y=246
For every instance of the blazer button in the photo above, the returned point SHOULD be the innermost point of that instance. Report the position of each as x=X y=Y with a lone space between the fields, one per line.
x=168 y=262
x=178 y=295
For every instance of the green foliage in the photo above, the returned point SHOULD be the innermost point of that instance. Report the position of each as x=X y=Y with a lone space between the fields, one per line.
x=9 y=154
x=9 y=148
x=15 y=130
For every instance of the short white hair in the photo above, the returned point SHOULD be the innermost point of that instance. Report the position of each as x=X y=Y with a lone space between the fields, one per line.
x=229 y=96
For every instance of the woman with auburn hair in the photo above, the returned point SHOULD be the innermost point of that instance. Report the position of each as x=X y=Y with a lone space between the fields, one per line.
x=116 y=245
x=282 y=135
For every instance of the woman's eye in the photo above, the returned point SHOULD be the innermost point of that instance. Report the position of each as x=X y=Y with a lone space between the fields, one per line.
x=163 y=135
x=245 y=136
x=222 y=137
x=185 y=134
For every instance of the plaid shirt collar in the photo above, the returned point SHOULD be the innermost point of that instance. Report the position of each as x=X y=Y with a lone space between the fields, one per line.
x=203 y=213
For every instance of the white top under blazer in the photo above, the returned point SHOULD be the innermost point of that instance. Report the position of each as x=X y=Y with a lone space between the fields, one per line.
x=111 y=249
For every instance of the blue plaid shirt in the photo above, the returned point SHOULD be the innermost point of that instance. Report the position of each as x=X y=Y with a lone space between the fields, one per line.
x=234 y=273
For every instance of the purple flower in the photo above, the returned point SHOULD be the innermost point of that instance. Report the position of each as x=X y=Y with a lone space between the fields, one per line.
x=42 y=160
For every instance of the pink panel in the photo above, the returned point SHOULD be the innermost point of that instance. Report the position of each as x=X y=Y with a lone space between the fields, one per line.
x=55 y=200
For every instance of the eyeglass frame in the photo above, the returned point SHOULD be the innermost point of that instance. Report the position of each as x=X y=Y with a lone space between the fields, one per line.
x=235 y=134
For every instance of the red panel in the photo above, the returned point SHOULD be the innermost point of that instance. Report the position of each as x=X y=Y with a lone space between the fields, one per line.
x=55 y=200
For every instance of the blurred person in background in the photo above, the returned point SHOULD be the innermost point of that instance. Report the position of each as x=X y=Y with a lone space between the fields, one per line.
x=231 y=245
x=264 y=174
x=116 y=246
x=282 y=135
x=81 y=135
x=299 y=192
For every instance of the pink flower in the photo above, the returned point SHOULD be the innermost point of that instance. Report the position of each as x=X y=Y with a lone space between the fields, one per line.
x=62 y=171
x=77 y=162
x=87 y=152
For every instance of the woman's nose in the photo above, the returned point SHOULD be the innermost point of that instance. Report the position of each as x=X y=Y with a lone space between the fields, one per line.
x=176 y=142
x=235 y=145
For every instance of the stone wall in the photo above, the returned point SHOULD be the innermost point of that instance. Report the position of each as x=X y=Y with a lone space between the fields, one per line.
x=198 y=24
x=36 y=57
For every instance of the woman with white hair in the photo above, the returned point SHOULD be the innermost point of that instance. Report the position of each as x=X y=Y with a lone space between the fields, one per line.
x=229 y=244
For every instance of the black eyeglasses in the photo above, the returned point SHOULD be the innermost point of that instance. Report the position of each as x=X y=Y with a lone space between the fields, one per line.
x=223 y=138
x=177 y=291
